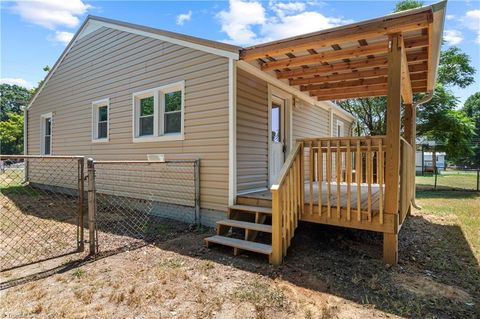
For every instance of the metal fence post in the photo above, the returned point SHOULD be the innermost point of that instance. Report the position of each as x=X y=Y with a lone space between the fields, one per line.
x=81 y=243
x=91 y=206
x=197 y=192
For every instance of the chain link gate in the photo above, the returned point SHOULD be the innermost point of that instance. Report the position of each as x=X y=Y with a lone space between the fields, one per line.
x=41 y=208
x=128 y=200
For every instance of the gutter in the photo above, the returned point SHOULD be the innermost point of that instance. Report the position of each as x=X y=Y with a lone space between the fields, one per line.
x=423 y=100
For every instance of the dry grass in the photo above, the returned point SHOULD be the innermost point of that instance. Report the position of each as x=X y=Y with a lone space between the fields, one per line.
x=329 y=273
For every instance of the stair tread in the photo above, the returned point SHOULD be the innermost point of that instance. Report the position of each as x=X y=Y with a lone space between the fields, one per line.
x=242 y=244
x=255 y=209
x=246 y=225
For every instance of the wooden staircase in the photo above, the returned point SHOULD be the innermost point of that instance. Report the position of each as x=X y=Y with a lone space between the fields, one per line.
x=249 y=217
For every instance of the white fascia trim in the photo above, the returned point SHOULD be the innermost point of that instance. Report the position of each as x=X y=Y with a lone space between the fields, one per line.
x=295 y=92
x=219 y=52
x=232 y=134
x=91 y=25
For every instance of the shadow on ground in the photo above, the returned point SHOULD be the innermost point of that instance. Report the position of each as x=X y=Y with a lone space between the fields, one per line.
x=438 y=274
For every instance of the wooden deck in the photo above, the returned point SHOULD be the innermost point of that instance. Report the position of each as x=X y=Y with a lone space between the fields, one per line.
x=375 y=195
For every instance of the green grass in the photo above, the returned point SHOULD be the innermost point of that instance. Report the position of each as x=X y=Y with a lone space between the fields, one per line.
x=457 y=180
x=462 y=207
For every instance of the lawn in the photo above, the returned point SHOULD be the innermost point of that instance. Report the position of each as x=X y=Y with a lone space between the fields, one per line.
x=448 y=180
x=329 y=273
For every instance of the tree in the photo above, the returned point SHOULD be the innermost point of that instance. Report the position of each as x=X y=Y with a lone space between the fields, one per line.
x=407 y=5
x=454 y=68
x=11 y=134
x=12 y=99
x=471 y=107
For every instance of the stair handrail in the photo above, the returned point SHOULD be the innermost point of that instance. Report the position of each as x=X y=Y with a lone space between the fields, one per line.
x=278 y=219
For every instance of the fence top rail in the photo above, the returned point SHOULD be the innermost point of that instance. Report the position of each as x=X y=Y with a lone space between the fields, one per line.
x=119 y=162
x=49 y=157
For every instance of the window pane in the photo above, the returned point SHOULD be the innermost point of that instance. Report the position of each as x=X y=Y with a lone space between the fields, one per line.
x=47 y=145
x=103 y=113
x=102 y=130
x=173 y=122
x=146 y=126
x=146 y=106
x=173 y=101
x=48 y=126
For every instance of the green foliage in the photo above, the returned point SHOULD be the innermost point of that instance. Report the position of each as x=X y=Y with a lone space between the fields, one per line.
x=12 y=99
x=370 y=114
x=407 y=5
x=472 y=109
x=11 y=134
x=455 y=69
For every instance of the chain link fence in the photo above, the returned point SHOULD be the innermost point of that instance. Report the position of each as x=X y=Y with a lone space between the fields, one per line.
x=41 y=208
x=131 y=197
x=449 y=179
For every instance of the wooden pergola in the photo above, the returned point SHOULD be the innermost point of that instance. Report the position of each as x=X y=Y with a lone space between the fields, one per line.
x=394 y=56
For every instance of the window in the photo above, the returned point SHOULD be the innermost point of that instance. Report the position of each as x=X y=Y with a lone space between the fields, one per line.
x=339 y=132
x=46 y=133
x=158 y=113
x=100 y=120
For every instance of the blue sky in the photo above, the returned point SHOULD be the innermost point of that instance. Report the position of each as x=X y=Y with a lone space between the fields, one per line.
x=34 y=33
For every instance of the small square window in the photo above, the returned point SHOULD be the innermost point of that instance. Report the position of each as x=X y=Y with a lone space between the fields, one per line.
x=158 y=113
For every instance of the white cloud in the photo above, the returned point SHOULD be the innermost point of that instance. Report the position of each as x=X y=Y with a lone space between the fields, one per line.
x=304 y=22
x=16 y=81
x=247 y=23
x=237 y=22
x=52 y=13
x=452 y=37
x=63 y=36
x=450 y=17
x=184 y=17
x=472 y=21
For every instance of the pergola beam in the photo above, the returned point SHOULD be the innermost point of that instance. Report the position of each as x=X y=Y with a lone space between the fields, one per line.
x=417 y=68
x=349 y=95
x=363 y=89
x=353 y=66
x=340 y=35
x=407 y=93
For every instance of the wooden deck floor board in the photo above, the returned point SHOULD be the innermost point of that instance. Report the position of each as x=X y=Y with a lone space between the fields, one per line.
x=375 y=191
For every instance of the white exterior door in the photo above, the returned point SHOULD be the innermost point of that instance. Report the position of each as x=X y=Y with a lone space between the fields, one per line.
x=278 y=137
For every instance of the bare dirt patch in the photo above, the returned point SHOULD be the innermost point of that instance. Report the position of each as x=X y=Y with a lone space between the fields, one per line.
x=329 y=273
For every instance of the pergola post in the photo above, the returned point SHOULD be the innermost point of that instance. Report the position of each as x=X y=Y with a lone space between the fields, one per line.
x=410 y=127
x=392 y=148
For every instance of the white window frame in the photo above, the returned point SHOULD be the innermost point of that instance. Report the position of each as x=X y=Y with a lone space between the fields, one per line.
x=43 y=117
x=95 y=106
x=340 y=125
x=158 y=113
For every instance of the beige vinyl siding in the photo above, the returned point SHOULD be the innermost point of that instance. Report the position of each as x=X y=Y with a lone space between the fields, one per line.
x=347 y=125
x=252 y=132
x=114 y=64
x=310 y=121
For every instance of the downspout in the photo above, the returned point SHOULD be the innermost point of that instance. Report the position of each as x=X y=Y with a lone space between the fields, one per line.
x=423 y=100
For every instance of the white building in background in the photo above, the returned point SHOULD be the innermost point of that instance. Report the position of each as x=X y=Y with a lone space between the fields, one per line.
x=427 y=160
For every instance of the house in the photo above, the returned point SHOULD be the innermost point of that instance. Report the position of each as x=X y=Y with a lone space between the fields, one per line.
x=424 y=161
x=274 y=148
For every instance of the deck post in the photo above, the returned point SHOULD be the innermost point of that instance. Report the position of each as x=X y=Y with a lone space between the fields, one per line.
x=392 y=147
x=277 y=250
x=410 y=119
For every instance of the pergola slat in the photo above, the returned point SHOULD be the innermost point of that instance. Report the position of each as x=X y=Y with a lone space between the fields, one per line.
x=363 y=88
x=344 y=96
x=380 y=48
x=364 y=30
x=357 y=65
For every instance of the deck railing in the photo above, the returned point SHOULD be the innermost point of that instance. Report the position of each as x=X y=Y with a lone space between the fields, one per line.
x=345 y=176
x=287 y=203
